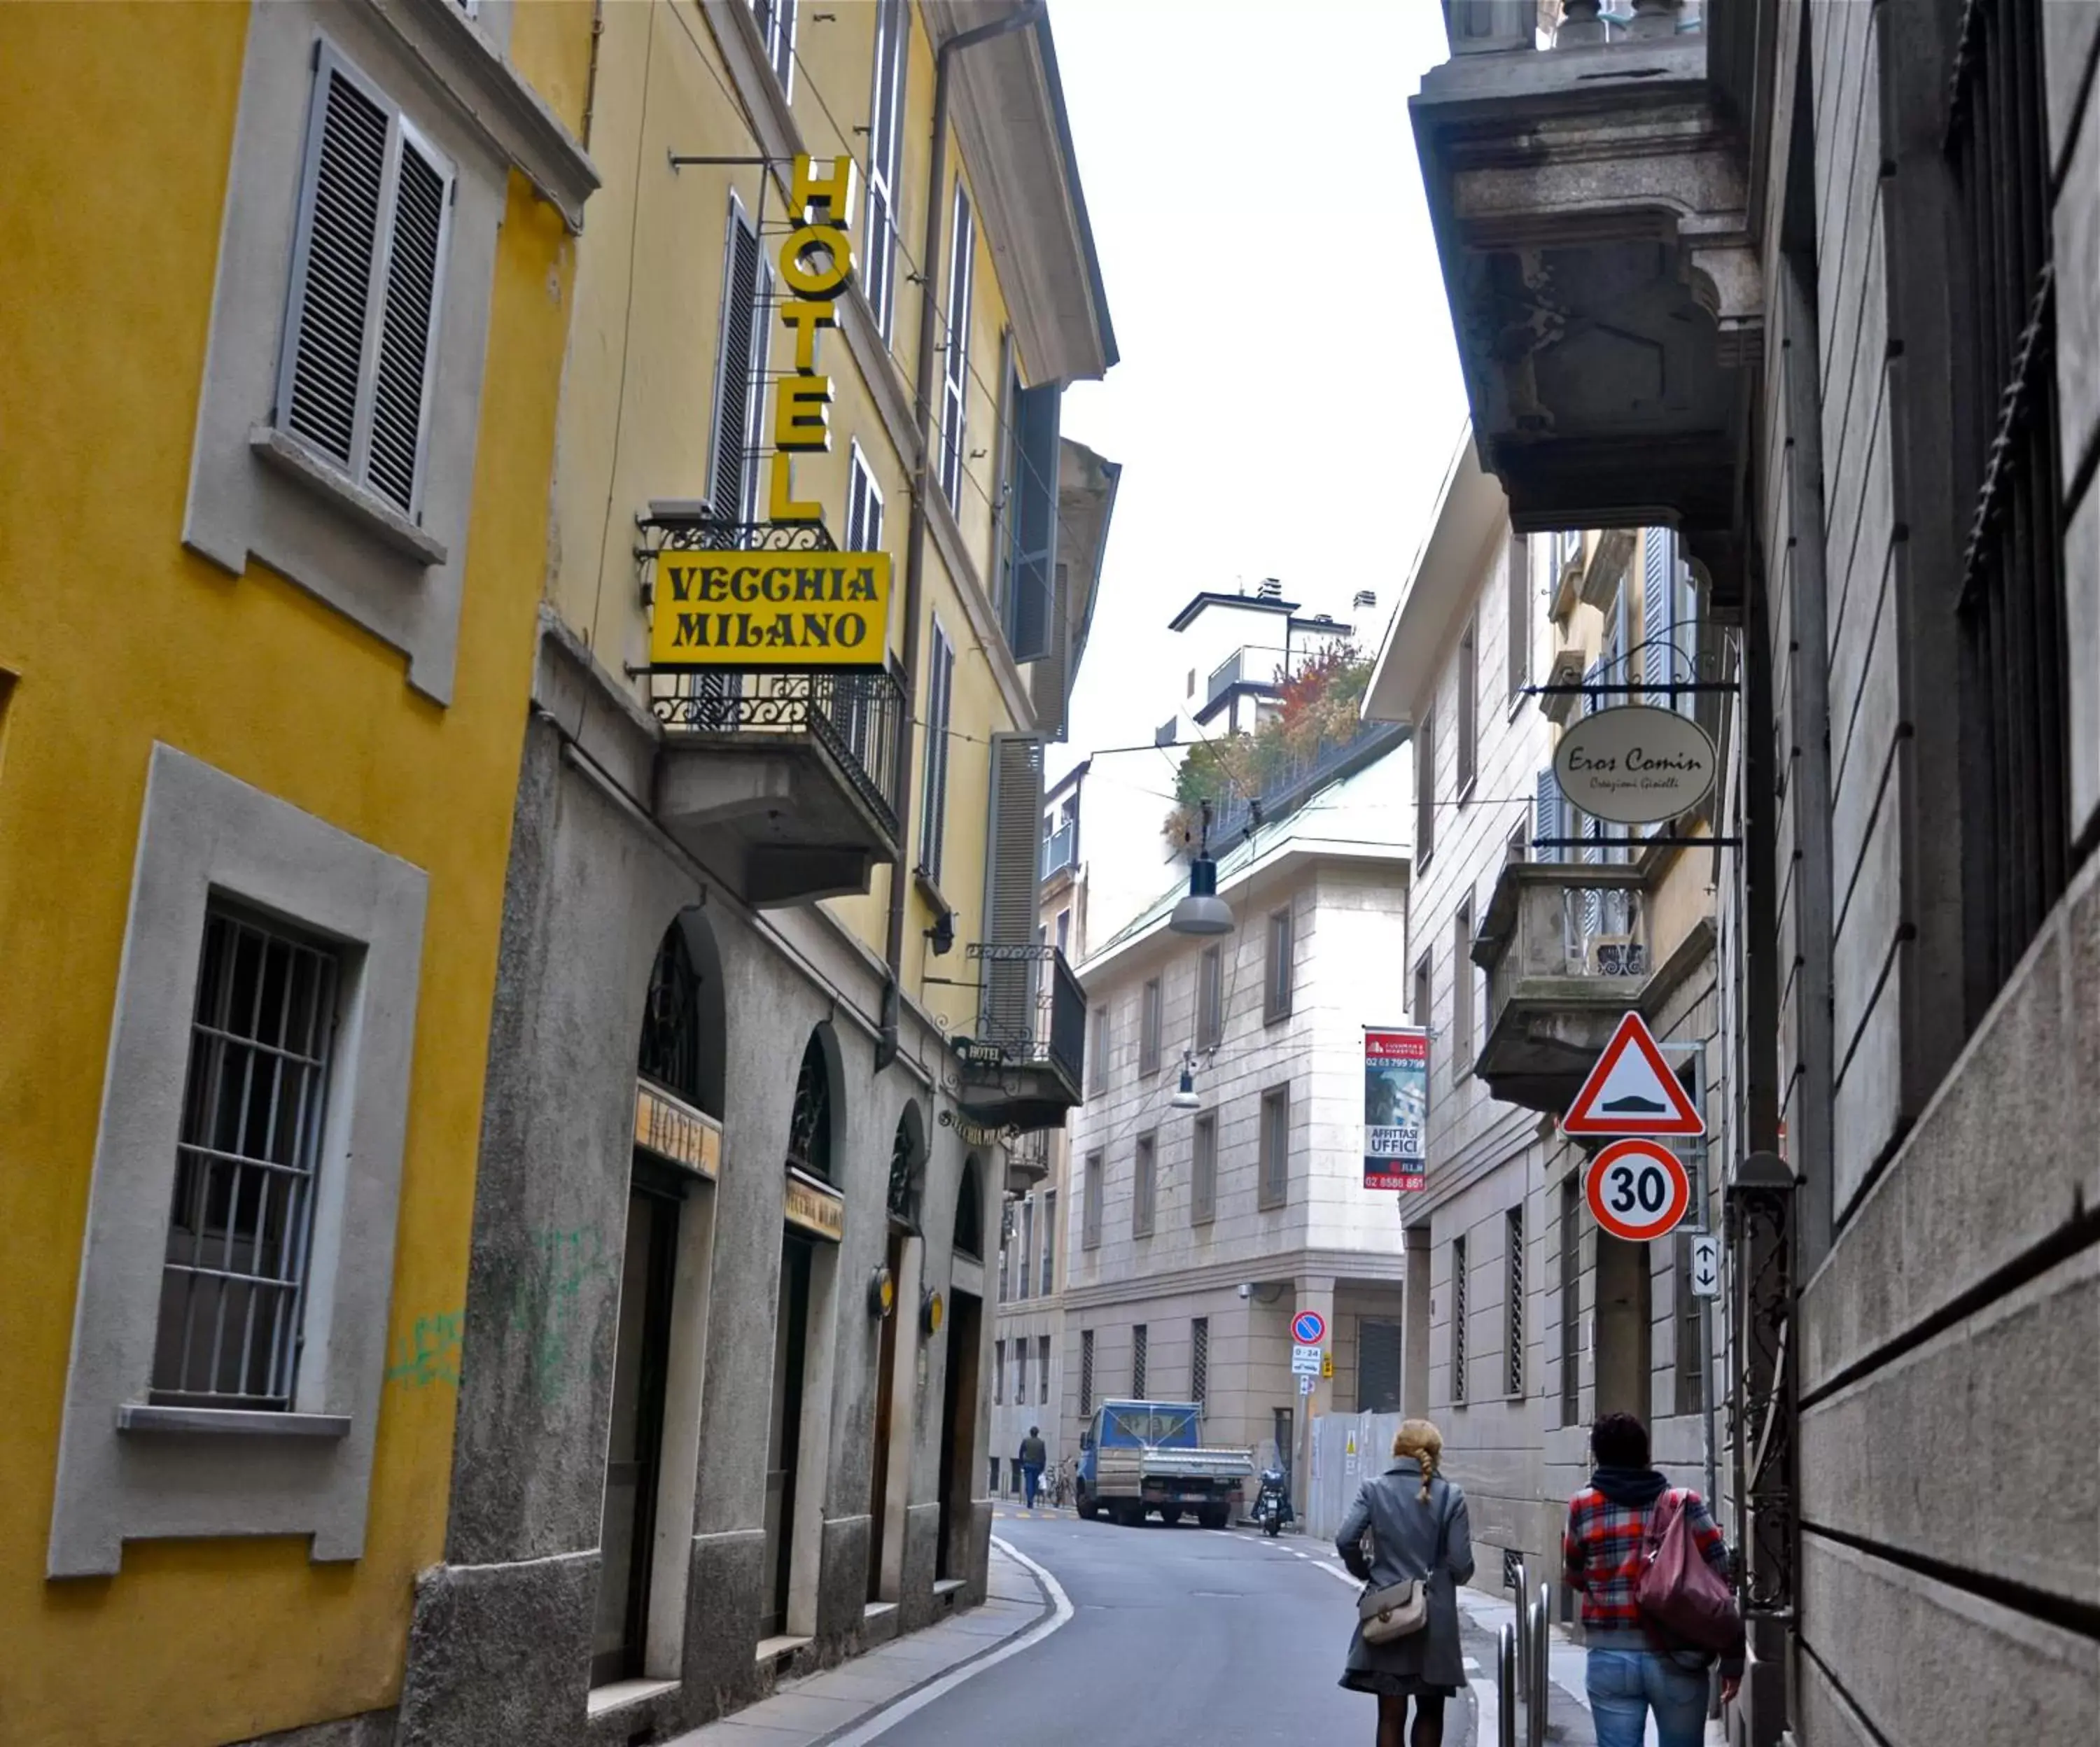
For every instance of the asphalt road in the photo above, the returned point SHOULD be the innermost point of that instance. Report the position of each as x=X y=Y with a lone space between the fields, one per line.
x=1180 y=1637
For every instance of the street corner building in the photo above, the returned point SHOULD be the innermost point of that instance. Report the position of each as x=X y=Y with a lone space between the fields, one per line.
x=513 y=1114
x=275 y=521
x=1776 y=323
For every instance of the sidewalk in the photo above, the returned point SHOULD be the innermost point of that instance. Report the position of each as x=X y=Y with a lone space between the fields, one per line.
x=1568 y=1704
x=823 y=1707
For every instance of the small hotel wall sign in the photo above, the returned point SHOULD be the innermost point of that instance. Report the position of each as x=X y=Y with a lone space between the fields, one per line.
x=1635 y=765
x=815 y=1207
x=673 y=1130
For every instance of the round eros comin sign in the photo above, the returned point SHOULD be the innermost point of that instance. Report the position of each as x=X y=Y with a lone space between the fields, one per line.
x=1635 y=765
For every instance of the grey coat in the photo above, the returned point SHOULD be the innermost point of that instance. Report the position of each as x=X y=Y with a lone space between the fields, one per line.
x=1404 y=1536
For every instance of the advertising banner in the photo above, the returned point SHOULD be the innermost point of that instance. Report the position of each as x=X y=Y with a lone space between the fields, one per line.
x=1396 y=1107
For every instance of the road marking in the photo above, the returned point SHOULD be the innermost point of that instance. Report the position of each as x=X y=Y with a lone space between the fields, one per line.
x=1060 y=1606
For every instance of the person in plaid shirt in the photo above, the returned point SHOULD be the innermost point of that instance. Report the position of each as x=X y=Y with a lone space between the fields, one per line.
x=1629 y=1674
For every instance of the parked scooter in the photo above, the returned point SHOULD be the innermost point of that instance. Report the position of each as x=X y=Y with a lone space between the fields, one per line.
x=1272 y=1502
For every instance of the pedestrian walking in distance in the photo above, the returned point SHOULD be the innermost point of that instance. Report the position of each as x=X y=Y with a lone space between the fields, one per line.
x=1614 y=1525
x=1031 y=1465
x=1408 y=1527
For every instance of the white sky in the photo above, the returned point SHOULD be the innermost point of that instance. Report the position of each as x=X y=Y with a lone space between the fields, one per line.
x=1289 y=393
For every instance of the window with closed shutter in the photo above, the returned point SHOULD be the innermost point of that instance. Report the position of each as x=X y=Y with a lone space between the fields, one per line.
x=1013 y=871
x=933 y=800
x=1032 y=521
x=1547 y=819
x=956 y=363
x=885 y=154
x=368 y=267
x=739 y=366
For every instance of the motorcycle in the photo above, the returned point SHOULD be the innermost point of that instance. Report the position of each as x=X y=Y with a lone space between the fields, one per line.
x=1272 y=1502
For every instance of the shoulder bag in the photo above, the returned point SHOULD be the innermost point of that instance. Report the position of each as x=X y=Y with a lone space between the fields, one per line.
x=1401 y=1609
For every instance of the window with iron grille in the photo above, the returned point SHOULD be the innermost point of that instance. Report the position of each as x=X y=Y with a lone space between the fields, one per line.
x=1145 y=1191
x=1090 y=1202
x=1138 y=1343
x=877 y=247
x=1086 y=1371
x=233 y=1282
x=1571 y=1301
x=809 y=1122
x=1275 y=1146
x=1148 y=1032
x=1691 y=1343
x=368 y=266
x=776 y=25
x=1425 y=787
x=1458 y=1320
x=1097 y=1054
x=2014 y=762
x=1209 y=998
x=1049 y=1240
x=1199 y=1359
x=1203 y=1170
x=998 y=1373
x=955 y=348
x=1276 y=985
x=1516 y=580
x=1379 y=1347
x=1513 y=1307
x=1043 y=1370
x=1469 y=706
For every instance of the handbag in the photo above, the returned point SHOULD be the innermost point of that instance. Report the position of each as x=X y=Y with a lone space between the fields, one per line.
x=1400 y=1609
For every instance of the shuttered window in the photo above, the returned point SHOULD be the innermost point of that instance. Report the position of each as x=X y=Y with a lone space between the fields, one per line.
x=885 y=159
x=955 y=361
x=1203 y=1171
x=1031 y=522
x=1012 y=873
x=1144 y=1188
x=863 y=505
x=933 y=802
x=368 y=267
x=1548 y=818
x=1669 y=655
x=1378 y=1348
x=740 y=374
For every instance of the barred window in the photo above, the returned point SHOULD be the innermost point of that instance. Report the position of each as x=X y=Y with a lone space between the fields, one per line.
x=1086 y=1371
x=233 y=1283
x=1199 y=1359
x=1458 y=1320
x=1513 y=1313
x=1138 y=1343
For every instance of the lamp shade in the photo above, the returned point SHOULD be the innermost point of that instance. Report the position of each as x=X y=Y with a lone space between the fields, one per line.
x=1185 y=1096
x=1203 y=911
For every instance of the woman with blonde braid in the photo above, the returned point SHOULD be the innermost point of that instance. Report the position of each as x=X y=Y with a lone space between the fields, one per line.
x=1409 y=1522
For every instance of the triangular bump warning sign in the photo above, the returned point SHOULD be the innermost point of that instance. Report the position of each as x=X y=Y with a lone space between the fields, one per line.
x=1632 y=1090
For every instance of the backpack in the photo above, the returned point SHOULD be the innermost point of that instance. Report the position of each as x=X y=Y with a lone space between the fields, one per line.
x=1684 y=1599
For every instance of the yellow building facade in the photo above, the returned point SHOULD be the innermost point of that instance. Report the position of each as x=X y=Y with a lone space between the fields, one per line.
x=281 y=365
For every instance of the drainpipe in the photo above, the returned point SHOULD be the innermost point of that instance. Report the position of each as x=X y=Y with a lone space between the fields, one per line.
x=922 y=471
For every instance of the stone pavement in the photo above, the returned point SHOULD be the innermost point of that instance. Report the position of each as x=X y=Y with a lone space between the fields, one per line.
x=820 y=1708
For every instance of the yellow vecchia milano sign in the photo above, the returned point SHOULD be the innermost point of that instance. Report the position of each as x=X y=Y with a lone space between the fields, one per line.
x=792 y=609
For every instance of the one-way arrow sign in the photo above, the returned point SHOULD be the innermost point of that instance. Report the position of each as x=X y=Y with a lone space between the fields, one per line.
x=1706 y=1260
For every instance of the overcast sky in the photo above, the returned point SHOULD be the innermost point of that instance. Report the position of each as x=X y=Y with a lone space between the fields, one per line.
x=1289 y=393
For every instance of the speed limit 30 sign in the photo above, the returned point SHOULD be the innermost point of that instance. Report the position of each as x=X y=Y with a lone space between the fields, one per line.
x=1638 y=1189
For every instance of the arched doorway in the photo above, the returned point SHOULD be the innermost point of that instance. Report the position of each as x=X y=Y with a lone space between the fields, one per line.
x=893 y=1445
x=809 y=1233
x=652 y=1442
x=958 y=1404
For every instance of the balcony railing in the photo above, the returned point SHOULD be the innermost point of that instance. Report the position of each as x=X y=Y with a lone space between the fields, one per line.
x=856 y=715
x=1060 y=849
x=1024 y=1063
x=1286 y=789
x=1475 y=25
x=1590 y=938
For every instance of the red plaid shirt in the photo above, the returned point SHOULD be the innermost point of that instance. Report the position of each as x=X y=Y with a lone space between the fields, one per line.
x=1601 y=1553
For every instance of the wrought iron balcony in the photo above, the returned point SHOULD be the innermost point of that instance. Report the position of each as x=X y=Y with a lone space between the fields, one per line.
x=1028 y=1162
x=1591 y=208
x=1023 y=1066
x=1060 y=849
x=792 y=779
x=1568 y=947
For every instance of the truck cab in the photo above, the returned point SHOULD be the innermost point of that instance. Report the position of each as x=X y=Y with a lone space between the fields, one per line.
x=1139 y=1457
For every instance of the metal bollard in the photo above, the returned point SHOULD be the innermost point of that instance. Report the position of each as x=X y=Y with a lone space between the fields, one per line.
x=1506 y=1687
x=1534 y=1706
x=1521 y=1588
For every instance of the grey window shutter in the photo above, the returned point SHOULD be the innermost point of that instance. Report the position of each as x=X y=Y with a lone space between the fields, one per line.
x=401 y=386
x=1034 y=521
x=344 y=183
x=1547 y=817
x=1050 y=680
x=733 y=371
x=1012 y=870
x=933 y=817
x=1659 y=662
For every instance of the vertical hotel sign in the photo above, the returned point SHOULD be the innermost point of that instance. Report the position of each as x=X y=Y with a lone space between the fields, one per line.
x=789 y=611
x=1396 y=1107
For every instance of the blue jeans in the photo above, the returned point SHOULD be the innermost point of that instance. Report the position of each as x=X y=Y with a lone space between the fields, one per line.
x=1625 y=1684
x=1031 y=1477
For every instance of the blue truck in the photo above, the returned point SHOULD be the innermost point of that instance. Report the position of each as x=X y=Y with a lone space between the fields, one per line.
x=1139 y=1457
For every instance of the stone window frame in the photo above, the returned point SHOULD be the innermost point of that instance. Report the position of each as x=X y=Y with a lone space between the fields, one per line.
x=256 y=493
x=128 y=1471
